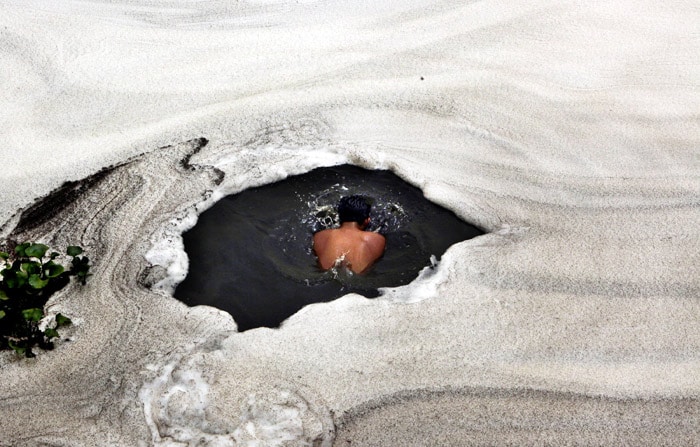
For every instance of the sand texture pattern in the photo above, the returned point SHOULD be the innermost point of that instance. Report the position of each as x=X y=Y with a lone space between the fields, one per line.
x=568 y=131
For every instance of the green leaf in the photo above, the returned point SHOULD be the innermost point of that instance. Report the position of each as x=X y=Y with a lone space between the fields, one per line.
x=12 y=279
x=18 y=349
x=26 y=278
x=34 y=314
x=21 y=278
x=52 y=269
x=36 y=250
x=74 y=250
x=62 y=320
x=37 y=282
x=31 y=267
x=81 y=268
x=81 y=261
x=20 y=249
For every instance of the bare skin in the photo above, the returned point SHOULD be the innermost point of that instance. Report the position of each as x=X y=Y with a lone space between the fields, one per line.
x=358 y=249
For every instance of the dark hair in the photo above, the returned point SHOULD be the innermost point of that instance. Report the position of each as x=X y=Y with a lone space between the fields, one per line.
x=353 y=209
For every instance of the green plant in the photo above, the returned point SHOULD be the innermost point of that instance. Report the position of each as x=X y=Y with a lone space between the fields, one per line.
x=29 y=278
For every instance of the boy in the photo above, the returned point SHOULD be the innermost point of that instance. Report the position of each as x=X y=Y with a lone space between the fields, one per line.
x=350 y=245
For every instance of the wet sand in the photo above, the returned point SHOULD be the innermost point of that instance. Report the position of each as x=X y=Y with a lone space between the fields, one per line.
x=568 y=132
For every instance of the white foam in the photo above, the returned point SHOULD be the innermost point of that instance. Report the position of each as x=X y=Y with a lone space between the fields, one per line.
x=168 y=251
x=175 y=403
x=272 y=423
x=425 y=286
x=176 y=406
x=577 y=120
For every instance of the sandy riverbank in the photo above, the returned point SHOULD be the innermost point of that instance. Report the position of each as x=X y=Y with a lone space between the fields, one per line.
x=569 y=132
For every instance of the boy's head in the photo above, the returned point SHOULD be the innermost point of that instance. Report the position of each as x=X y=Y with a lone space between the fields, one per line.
x=353 y=209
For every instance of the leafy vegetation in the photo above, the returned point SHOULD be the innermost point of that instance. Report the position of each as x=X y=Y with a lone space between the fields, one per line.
x=29 y=277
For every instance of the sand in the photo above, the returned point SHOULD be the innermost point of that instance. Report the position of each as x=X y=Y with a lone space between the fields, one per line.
x=568 y=131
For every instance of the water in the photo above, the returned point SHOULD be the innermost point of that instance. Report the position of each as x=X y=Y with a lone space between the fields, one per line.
x=251 y=253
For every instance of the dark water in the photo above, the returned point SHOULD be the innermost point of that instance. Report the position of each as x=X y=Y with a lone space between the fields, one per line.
x=250 y=254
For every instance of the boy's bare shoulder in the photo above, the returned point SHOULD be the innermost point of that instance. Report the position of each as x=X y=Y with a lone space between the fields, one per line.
x=375 y=240
x=321 y=237
x=374 y=236
x=323 y=233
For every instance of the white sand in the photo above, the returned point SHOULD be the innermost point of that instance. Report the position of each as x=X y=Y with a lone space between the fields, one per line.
x=570 y=131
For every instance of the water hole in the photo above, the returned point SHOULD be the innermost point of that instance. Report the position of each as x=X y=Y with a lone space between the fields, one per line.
x=251 y=253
